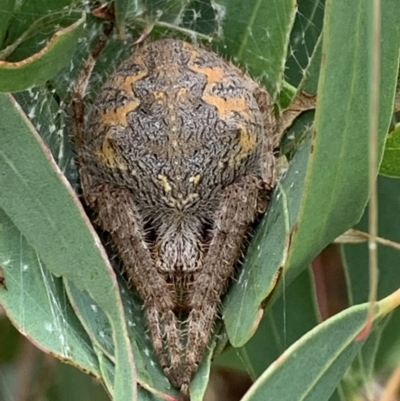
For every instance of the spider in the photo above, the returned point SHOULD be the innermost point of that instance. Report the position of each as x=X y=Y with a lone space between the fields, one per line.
x=177 y=161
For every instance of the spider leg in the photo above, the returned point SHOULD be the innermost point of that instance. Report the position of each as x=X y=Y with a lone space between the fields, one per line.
x=163 y=325
x=173 y=343
x=241 y=203
x=117 y=214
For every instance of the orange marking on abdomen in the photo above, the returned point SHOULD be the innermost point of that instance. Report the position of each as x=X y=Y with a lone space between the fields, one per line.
x=119 y=115
x=125 y=82
x=108 y=156
x=247 y=143
x=223 y=105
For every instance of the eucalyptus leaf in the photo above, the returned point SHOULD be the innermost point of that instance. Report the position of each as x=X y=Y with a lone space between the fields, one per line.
x=27 y=13
x=267 y=253
x=290 y=317
x=329 y=186
x=257 y=36
x=121 y=9
x=36 y=302
x=312 y=367
x=40 y=67
x=49 y=216
x=6 y=11
x=336 y=188
x=305 y=38
x=385 y=358
x=391 y=157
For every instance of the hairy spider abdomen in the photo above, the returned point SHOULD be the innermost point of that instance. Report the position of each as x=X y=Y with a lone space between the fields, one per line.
x=176 y=123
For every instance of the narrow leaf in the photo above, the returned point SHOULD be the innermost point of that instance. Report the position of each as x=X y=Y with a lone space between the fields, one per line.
x=42 y=66
x=121 y=9
x=325 y=190
x=336 y=184
x=267 y=253
x=311 y=368
x=256 y=36
x=43 y=206
x=6 y=12
x=391 y=158
x=36 y=302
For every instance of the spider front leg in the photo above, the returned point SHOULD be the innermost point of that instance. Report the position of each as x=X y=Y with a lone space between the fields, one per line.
x=241 y=203
x=117 y=214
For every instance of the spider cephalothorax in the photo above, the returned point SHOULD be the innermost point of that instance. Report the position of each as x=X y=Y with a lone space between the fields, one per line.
x=177 y=162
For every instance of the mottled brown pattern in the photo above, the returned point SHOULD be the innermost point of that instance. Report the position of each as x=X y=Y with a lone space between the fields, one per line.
x=177 y=161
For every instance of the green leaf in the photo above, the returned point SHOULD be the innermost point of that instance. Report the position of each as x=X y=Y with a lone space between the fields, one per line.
x=288 y=319
x=36 y=302
x=70 y=384
x=310 y=80
x=6 y=11
x=200 y=380
x=44 y=208
x=266 y=254
x=191 y=19
x=42 y=66
x=97 y=325
x=305 y=38
x=336 y=188
x=312 y=367
x=28 y=12
x=326 y=187
x=356 y=255
x=27 y=18
x=356 y=260
x=360 y=374
x=120 y=9
x=391 y=157
x=95 y=321
x=256 y=36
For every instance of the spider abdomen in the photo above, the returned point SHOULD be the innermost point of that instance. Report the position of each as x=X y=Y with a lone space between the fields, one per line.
x=176 y=124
